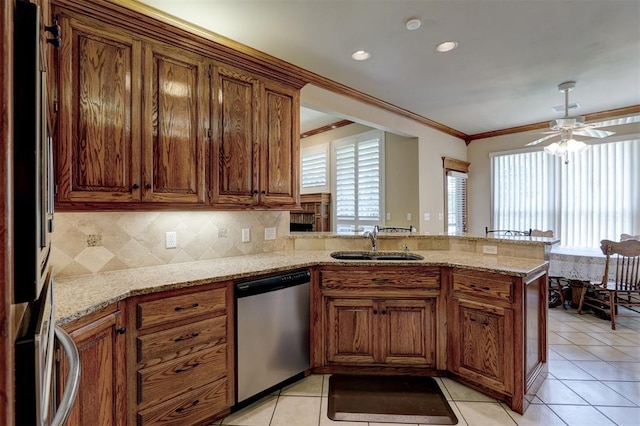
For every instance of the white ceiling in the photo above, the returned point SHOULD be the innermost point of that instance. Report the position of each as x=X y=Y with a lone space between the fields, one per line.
x=512 y=54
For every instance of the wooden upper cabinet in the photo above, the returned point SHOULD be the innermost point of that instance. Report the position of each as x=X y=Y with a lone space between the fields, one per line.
x=255 y=147
x=234 y=176
x=98 y=139
x=279 y=147
x=175 y=125
x=144 y=124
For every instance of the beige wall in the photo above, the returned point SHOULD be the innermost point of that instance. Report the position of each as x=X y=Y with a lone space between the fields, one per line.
x=401 y=180
x=479 y=183
x=432 y=146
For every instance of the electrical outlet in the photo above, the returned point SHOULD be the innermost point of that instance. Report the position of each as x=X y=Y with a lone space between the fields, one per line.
x=490 y=249
x=246 y=235
x=427 y=216
x=408 y=216
x=388 y=216
x=269 y=234
x=171 y=240
x=440 y=216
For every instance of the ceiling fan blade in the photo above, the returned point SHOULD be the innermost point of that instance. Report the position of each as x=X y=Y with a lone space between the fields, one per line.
x=593 y=133
x=616 y=121
x=537 y=141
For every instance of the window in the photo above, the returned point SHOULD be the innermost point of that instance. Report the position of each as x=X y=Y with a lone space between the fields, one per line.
x=455 y=194
x=593 y=197
x=314 y=171
x=358 y=170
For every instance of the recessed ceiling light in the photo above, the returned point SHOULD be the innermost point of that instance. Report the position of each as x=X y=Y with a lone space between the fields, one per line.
x=413 y=24
x=361 y=55
x=446 y=46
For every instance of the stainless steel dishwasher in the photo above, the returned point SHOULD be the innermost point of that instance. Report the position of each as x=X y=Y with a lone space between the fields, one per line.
x=272 y=332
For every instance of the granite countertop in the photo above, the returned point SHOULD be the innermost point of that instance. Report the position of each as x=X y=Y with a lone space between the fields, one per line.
x=77 y=296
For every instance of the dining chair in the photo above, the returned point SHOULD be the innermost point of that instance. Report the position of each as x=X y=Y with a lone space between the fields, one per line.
x=623 y=261
x=624 y=237
x=539 y=233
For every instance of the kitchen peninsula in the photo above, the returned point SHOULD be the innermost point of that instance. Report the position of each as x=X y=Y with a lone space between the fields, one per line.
x=480 y=319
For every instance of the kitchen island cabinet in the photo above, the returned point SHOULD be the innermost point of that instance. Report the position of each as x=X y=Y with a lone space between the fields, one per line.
x=497 y=332
x=100 y=339
x=376 y=317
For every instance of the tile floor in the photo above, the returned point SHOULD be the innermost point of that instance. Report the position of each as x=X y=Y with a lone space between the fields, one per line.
x=594 y=380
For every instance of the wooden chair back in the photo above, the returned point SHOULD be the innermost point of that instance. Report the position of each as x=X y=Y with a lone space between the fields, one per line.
x=624 y=256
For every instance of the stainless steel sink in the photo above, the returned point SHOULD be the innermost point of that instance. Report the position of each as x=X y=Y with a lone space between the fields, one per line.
x=375 y=255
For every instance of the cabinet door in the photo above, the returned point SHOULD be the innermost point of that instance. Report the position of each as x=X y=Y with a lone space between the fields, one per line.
x=279 y=146
x=234 y=162
x=408 y=335
x=480 y=343
x=175 y=125
x=102 y=392
x=350 y=334
x=98 y=141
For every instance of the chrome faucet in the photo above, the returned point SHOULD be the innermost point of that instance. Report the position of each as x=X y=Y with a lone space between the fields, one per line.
x=373 y=236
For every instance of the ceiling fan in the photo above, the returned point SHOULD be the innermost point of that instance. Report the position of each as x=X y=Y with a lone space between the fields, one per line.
x=568 y=127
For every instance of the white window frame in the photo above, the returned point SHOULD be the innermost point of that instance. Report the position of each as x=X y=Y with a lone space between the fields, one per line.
x=359 y=223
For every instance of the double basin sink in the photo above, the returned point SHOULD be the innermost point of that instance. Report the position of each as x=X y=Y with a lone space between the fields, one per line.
x=375 y=255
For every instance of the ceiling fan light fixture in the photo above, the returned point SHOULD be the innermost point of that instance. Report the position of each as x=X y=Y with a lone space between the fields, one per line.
x=566 y=146
x=446 y=46
x=361 y=55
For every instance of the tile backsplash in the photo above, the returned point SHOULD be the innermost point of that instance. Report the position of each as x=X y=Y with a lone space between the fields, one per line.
x=84 y=243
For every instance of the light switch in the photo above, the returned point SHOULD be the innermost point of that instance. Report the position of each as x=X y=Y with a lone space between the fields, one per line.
x=246 y=235
x=427 y=216
x=269 y=234
x=408 y=216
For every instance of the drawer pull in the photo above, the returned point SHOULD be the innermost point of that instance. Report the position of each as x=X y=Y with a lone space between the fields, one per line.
x=375 y=312
x=191 y=367
x=383 y=312
x=187 y=337
x=193 y=404
x=121 y=330
x=379 y=280
x=483 y=288
x=182 y=308
x=475 y=320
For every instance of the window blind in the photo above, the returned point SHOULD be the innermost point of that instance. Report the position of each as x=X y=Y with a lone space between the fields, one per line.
x=358 y=186
x=593 y=197
x=313 y=174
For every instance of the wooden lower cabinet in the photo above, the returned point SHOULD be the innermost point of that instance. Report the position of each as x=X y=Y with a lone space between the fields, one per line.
x=376 y=316
x=496 y=333
x=370 y=331
x=181 y=362
x=101 y=345
x=481 y=345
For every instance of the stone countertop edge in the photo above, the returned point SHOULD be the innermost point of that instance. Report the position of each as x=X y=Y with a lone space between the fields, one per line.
x=75 y=297
x=526 y=240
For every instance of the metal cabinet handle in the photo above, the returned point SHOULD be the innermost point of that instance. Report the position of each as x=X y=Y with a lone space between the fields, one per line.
x=383 y=312
x=379 y=280
x=483 y=288
x=191 y=367
x=375 y=312
x=148 y=186
x=193 y=404
x=182 y=308
x=73 y=378
x=136 y=186
x=187 y=337
x=121 y=330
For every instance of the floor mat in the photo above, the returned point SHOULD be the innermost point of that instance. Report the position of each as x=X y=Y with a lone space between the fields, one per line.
x=388 y=399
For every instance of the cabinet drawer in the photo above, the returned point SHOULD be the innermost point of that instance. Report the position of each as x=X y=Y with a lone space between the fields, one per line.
x=482 y=284
x=424 y=278
x=189 y=408
x=166 y=380
x=177 y=308
x=188 y=337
